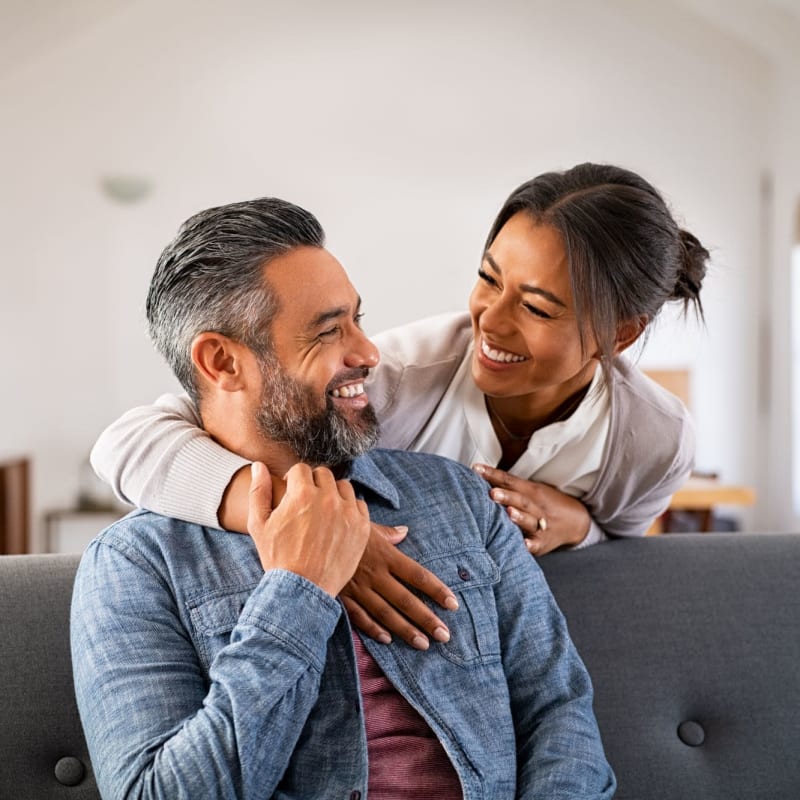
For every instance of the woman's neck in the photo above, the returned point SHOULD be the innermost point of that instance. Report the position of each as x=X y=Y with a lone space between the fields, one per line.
x=516 y=419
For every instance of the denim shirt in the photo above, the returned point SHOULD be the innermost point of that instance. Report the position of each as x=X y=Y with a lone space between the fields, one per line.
x=198 y=675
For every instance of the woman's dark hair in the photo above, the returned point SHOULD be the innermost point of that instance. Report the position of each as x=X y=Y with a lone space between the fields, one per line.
x=626 y=254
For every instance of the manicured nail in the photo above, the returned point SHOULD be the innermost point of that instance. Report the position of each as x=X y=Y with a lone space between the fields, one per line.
x=384 y=638
x=401 y=528
x=420 y=642
x=479 y=468
x=256 y=470
x=451 y=603
x=499 y=495
x=441 y=634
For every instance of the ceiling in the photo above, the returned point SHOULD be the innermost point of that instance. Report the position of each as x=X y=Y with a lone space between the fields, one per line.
x=30 y=29
x=771 y=27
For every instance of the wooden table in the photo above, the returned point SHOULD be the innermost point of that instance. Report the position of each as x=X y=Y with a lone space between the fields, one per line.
x=703 y=495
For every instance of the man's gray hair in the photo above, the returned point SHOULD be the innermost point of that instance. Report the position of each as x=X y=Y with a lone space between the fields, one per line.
x=210 y=278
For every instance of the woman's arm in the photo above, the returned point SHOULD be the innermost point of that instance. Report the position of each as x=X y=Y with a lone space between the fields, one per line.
x=158 y=457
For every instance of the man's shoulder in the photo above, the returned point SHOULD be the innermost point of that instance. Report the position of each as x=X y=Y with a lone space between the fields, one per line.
x=148 y=538
x=422 y=465
x=141 y=525
x=427 y=485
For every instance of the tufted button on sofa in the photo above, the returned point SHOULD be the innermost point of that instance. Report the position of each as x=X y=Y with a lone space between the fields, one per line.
x=692 y=641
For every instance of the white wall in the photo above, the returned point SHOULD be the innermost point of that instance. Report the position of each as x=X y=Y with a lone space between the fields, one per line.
x=776 y=458
x=403 y=130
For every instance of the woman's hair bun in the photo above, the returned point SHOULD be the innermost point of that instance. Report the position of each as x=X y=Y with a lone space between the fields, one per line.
x=694 y=261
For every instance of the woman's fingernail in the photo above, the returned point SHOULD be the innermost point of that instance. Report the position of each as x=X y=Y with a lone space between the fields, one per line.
x=451 y=603
x=256 y=469
x=384 y=638
x=420 y=642
x=401 y=528
x=514 y=514
x=479 y=468
x=499 y=495
x=441 y=634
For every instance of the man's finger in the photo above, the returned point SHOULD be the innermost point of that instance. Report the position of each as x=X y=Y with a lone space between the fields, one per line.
x=260 y=497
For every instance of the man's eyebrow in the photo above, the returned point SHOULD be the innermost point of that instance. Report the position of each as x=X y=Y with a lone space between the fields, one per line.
x=525 y=287
x=318 y=320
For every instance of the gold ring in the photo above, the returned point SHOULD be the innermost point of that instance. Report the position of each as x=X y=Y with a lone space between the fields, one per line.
x=541 y=524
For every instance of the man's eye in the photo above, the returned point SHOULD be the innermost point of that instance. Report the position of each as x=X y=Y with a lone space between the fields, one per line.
x=329 y=333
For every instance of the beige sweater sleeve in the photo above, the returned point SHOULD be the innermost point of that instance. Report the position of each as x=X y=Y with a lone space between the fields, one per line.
x=158 y=457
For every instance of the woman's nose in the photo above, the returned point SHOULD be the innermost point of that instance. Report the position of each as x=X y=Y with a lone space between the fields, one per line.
x=495 y=316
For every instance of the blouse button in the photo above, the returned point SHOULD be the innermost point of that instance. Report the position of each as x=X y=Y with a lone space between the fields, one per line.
x=463 y=573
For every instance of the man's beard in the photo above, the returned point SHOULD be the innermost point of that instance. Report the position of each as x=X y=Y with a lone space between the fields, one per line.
x=290 y=414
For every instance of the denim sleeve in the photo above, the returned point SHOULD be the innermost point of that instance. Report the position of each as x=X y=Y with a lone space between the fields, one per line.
x=559 y=752
x=156 y=725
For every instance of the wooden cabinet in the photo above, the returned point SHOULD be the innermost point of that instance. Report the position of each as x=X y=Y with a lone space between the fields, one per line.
x=14 y=506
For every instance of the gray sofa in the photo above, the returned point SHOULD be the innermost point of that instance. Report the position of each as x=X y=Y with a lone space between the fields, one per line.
x=693 y=643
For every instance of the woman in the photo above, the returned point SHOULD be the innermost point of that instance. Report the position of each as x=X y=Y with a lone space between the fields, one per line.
x=529 y=386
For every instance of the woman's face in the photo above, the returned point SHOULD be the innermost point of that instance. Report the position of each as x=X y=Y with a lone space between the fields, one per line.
x=526 y=335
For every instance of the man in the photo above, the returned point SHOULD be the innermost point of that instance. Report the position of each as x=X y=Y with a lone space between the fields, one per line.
x=214 y=665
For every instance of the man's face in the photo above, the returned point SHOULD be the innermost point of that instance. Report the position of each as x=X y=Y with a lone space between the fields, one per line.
x=313 y=395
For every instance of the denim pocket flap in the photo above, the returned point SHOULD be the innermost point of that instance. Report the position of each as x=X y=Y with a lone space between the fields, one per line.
x=465 y=569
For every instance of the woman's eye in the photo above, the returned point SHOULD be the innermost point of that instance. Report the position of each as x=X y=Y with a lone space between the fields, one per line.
x=486 y=278
x=537 y=311
x=358 y=317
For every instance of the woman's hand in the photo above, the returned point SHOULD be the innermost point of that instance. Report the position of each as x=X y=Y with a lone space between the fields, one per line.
x=379 y=603
x=547 y=517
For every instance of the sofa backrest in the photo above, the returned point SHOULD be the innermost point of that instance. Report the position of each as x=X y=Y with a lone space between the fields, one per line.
x=43 y=754
x=693 y=645
x=692 y=641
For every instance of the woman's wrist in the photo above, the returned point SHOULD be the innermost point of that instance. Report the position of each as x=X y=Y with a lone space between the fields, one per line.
x=232 y=512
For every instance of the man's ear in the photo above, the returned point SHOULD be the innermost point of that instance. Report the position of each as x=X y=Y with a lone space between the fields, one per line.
x=628 y=332
x=220 y=361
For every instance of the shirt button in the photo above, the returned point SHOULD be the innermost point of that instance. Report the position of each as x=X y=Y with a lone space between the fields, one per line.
x=463 y=573
x=355 y=795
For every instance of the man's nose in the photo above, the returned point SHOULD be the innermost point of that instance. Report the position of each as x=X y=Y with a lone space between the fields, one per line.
x=361 y=351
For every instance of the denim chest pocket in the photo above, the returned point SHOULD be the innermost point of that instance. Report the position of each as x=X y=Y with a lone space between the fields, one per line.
x=214 y=616
x=471 y=574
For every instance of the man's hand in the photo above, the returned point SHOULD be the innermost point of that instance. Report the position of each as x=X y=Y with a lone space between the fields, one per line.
x=318 y=531
x=547 y=517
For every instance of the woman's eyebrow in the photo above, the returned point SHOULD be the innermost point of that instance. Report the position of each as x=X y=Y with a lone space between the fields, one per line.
x=525 y=287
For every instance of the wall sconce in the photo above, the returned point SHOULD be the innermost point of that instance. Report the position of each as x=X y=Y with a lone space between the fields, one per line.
x=126 y=189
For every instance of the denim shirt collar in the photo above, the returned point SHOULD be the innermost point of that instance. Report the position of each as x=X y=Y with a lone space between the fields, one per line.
x=365 y=472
